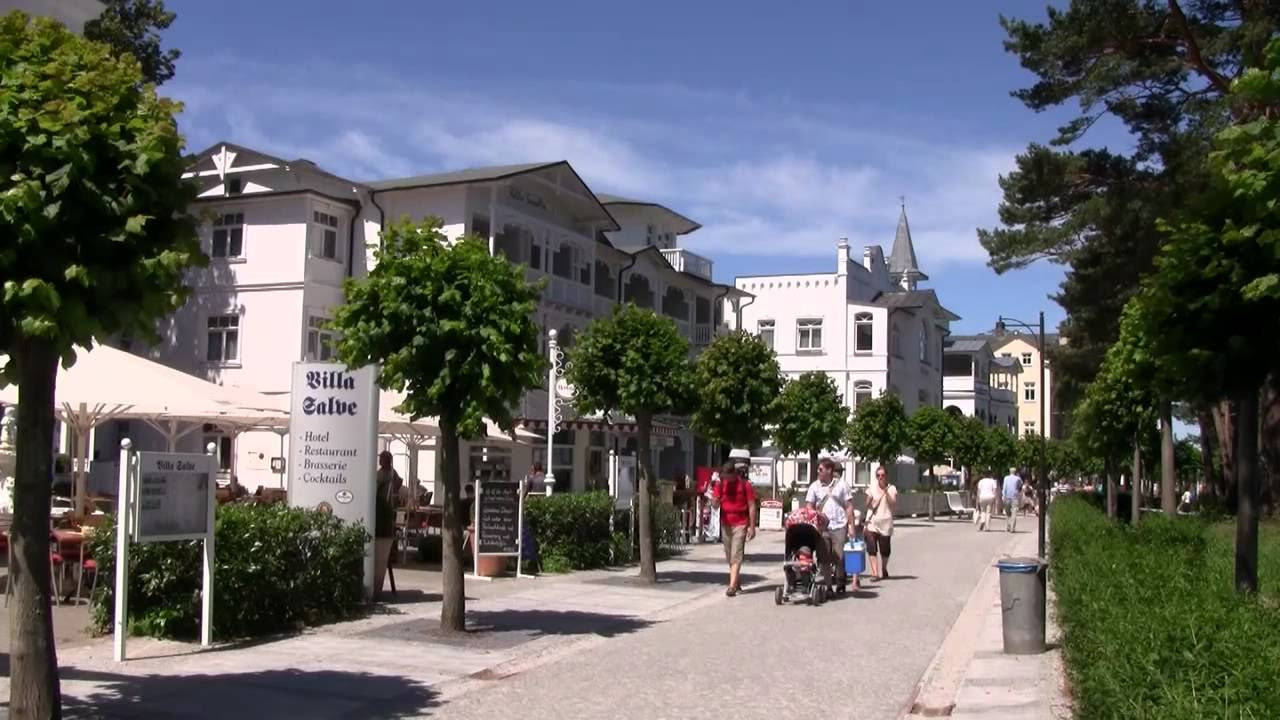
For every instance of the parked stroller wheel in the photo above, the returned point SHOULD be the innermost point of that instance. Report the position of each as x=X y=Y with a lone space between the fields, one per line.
x=777 y=596
x=821 y=593
x=813 y=597
x=841 y=590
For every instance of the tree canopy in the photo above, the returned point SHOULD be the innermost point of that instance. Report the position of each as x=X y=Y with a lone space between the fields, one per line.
x=879 y=430
x=811 y=417
x=737 y=381
x=132 y=27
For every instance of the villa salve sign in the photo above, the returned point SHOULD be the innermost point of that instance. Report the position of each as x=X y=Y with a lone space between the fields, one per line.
x=332 y=437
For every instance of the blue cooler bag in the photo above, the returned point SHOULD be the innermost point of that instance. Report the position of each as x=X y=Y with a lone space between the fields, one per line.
x=855 y=558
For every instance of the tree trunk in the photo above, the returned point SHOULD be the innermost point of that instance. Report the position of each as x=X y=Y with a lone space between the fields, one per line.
x=813 y=465
x=1223 y=425
x=1246 y=465
x=1168 y=473
x=34 y=690
x=453 y=607
x=1135 y=485
x=932 y=482
x=1113 y=510
x=648 y=564
x=1269 y=443
x=1208 y=446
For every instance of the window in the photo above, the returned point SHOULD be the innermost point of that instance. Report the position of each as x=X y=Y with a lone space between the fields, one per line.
x=650 y=235
x=861 y=392
x=1026 y=359
x=809 y=334
x=1006 y=355
x=802 y=472
x=924 y=343
x=536 y=245
x=922 y=396
x=1029 y=427
x=764 y=329
x=326 y=234
x=223 y=344
x=228 y=236
x=480 y=226
x=320 y=340
x=862 y=474
x=1029 y=392
x=234 y=186
x=862 y=332
x=895 y=340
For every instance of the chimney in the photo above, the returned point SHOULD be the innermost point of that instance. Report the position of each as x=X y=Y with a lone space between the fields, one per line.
x=842 y=257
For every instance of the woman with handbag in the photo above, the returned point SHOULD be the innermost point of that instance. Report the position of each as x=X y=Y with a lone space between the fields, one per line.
x=882 y=500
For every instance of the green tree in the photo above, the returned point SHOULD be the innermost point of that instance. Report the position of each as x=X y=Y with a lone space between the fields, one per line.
x=879 y=431
x=1027 y=455
x=1211 y=309
x=737 y=382
x=932 y=432
x=133 y=27
x=811 y=417
x=93 y=212
x=634 y=362
x=969 y=447
x=999 y=451
x=452 y=328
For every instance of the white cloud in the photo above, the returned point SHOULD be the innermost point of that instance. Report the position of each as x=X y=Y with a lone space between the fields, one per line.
x=762 y=182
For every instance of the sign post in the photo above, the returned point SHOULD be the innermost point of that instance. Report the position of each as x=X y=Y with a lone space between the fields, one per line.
x=333 y=432
x=499 y=523
x=164 y=497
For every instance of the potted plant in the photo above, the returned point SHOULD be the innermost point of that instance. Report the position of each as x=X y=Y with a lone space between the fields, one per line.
x=384 y=535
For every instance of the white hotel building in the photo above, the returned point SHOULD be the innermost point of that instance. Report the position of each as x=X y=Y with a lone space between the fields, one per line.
x=867 y=324
x=283 y=235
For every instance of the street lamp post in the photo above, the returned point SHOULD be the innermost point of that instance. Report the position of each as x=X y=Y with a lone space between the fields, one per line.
x=556 y=357
x=1043 y=485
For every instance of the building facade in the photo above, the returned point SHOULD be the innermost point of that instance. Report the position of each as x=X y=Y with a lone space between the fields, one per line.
x=1032 y=398
x=282 y=237
x=867 y=325
x=976 y=383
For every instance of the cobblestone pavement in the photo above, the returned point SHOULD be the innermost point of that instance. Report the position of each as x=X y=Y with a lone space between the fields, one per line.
x=861 y=656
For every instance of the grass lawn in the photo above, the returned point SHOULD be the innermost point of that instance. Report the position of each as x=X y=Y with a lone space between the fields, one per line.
x=1224 y=539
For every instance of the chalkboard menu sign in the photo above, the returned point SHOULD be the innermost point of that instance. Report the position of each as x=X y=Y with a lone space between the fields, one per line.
x=499 y=511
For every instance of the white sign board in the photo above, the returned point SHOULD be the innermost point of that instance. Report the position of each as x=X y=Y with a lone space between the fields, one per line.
x=626 y=481
x=770 y=514
x=174 y=493
x=333 y=432
x=761 y=471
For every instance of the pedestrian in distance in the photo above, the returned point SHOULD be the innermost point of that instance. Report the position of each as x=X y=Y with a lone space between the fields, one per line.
x=987 y=490
x=882 y=501
x=1011 y=491
x=736 y=500
x=832 y=497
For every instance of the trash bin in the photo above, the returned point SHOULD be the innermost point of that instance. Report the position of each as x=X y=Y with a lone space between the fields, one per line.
x=1022 y=605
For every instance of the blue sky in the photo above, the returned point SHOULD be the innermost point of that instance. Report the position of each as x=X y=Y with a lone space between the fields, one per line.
x=779 y=129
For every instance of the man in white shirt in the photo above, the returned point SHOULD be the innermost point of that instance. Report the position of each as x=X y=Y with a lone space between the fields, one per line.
x=834 y=499
x=986 y=498
x=1012 y=490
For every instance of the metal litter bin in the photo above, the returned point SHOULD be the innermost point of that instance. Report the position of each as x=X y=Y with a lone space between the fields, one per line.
x=1022 y=605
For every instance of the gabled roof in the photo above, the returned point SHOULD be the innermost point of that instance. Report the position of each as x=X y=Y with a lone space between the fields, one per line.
x=1008 y=363
x=684 y=225
x=658 y=258
x=964 y=344
x=912 y=299
x=902 y=259
x=462 y=177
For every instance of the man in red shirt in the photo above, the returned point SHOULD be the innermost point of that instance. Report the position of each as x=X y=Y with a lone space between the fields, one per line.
x=737 y=502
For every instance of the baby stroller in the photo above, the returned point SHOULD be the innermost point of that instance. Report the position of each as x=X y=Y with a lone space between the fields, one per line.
x=803 y=574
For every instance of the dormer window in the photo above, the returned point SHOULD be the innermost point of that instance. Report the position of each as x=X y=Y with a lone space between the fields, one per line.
x=234 y=186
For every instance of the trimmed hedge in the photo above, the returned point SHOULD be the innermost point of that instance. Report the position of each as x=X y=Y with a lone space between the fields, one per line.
x=276 y=569
x=1152 y=627
x=571 y=530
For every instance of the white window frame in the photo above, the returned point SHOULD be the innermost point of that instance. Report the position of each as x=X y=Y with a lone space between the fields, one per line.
x=862 y=392
x=768 y=325
x=895 y=340
x=1028 y=392
x=860 y=320
x=805 y=328
x=227 y=223
x=320 y=340
x=1028 y=427
x=326 y=223
x=924 y=343
x=1026 y=359
x=223 y=324
x=802 y=471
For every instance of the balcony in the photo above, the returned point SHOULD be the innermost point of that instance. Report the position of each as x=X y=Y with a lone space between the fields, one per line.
x=684 y=261
x=702 y=335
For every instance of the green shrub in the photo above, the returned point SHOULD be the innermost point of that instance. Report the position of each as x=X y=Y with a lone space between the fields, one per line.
x=571 y=530
x=276 y=569
x=1152 y=627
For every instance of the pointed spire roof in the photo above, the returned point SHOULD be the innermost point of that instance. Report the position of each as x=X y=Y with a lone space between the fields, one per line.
x=902 y=260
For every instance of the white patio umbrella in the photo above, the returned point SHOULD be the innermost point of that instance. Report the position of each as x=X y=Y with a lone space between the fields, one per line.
x=108 y=384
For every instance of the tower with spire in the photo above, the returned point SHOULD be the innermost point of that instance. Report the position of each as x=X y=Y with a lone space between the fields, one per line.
x=904 y=270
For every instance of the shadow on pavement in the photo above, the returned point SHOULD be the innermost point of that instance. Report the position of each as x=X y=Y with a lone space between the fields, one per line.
x=272 y=693
x=891 y=578
x=555 y=622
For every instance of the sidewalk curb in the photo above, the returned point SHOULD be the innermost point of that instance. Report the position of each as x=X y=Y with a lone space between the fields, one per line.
x=966 y=627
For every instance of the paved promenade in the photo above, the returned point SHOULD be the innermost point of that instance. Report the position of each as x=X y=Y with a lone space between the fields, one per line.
x=587 y=645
